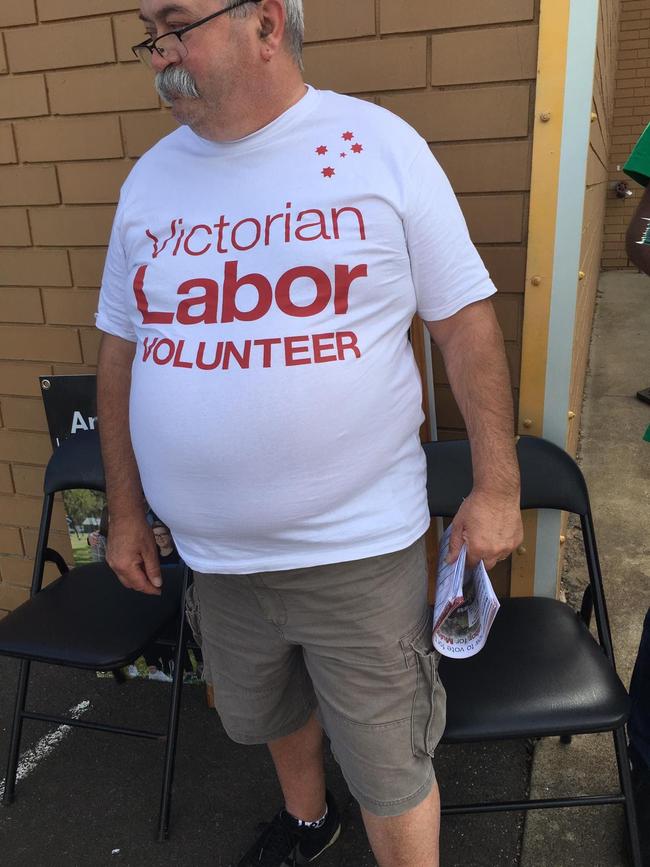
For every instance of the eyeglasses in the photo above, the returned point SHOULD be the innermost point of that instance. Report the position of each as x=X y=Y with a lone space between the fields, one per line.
x=170 y=46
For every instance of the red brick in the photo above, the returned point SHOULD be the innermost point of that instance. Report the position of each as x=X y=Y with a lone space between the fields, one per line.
x=110 y=88
x=14 y=228
x=28 y=185
x=21 y=305
x=7 y=147
x=338 y=19
x=22 y=96
x=22 y=379
x=24 y=413
x=39 y=343
x=16 y=571
x=93 y=182
x=34 y=268
x=28 y=480
x=88 y=266
x=54 y=46
x=128 y=31
x=59 y=540
x=82 y=226
x=19 y=510
x=467 y=57
x=78 y=138
x=6 y=482
x=10 y=541
x=69 y=306
x=51 y=10
x=388 y=64
x=90 y=339
x=143 y=129
x=459 y=115
x=14 y=12
x=398 y=16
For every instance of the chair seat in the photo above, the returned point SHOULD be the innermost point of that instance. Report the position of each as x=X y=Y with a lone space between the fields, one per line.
x=540 y=673
x=87 y=619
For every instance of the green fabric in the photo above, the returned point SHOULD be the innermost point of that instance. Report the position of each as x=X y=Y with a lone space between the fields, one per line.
x=638 y=165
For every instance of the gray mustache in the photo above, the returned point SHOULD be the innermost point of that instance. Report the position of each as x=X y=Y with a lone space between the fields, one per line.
x=176 y=81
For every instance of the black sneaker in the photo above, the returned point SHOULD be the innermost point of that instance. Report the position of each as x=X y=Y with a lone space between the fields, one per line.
x=283 y=843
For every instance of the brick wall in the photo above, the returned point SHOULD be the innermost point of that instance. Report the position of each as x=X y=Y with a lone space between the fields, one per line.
x=631 y=115
x=76 y=110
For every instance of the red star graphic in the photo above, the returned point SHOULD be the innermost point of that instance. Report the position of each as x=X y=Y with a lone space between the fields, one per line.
x=357 y=148
x=329 y=172
x=321 y=151
x=347 y=136
x=343 y=154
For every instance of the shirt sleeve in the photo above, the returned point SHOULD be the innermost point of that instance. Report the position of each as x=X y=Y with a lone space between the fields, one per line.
x=113 y=310
x=638 y=164
x=447 y=271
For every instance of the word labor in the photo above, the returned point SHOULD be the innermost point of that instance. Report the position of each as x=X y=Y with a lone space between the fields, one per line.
x=202 y=309
x=267 y=352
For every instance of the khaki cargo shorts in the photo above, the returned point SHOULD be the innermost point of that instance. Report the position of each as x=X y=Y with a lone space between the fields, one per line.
x=351 y=641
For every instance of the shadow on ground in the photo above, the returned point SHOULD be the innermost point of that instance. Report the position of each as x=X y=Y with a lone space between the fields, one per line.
x=94 y=800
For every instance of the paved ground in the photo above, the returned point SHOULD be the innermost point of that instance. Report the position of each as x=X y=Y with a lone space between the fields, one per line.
x=96 y=793
x=616 y=464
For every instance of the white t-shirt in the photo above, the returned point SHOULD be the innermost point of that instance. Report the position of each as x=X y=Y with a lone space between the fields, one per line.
x=269 y=284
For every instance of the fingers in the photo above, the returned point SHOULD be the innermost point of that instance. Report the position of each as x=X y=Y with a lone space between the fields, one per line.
x=137 y=569
x=135 y=578
x=152 y=568
x=455 y=542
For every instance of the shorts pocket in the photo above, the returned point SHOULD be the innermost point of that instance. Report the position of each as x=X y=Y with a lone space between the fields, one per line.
x=428 y=711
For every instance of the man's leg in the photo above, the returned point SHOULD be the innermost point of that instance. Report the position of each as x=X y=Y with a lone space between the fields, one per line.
x=409 y=840
x=298 y=760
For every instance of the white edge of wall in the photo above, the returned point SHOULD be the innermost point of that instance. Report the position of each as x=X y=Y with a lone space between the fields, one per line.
x=576 y=125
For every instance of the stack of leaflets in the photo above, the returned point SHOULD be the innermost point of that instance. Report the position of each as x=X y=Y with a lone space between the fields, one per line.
x=465 y=605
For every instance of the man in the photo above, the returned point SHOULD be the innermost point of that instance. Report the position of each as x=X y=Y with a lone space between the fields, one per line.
x=265 y=264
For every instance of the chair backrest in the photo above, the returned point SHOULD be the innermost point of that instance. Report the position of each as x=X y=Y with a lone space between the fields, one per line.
x=550 y=478
x=76 y=463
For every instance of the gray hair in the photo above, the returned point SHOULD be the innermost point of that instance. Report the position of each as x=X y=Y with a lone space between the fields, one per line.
x=295 y=34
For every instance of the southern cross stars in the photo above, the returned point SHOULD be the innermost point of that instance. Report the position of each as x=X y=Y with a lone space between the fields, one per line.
x=322 y=150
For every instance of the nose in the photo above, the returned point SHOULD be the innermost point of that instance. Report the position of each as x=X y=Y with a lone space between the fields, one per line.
x=159 y=63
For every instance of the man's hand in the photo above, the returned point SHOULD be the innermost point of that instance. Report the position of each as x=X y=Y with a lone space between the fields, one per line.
x=491 y=527
x=133 y=555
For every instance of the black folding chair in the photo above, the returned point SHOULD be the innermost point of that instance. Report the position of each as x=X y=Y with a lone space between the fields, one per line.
x=541 y=672
x=86 y=619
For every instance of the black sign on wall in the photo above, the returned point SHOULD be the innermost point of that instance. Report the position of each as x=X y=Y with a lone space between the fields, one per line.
x=70 y=405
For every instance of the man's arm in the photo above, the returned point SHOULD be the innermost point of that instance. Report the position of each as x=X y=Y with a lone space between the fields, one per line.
x=639 y=253
x=132 y=552
x=489 y=520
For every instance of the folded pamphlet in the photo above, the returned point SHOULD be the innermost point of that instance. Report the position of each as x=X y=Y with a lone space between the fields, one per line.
x=465 y=605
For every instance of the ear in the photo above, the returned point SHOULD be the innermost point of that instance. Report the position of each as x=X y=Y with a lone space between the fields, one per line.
x=272 y=20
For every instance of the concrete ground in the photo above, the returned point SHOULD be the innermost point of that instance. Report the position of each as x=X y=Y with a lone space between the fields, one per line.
x=616 y=464
x=91 y=800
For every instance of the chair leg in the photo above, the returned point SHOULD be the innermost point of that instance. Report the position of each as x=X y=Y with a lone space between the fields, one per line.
x=16 y=732
x=172 y=733
x=625 y=777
